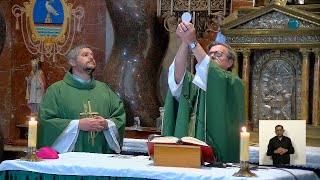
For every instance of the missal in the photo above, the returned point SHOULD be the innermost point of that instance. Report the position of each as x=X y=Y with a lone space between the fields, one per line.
x=206 y=150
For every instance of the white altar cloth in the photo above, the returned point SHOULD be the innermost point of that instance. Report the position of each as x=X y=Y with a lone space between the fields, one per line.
x=90 y=164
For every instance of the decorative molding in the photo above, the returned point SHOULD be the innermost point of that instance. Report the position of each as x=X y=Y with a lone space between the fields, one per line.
x=289 y=11
x=196 y=5
x=274 y=20
x=273 y=39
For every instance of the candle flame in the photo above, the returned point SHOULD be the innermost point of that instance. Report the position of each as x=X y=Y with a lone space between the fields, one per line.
x=32 y=119
x=244 y=129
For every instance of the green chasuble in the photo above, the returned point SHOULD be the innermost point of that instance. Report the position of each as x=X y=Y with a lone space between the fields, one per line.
x=64 y=101
x=214 y=116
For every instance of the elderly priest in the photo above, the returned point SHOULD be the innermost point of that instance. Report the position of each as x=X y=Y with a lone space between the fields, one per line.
x=80 y=113
x=210 y=104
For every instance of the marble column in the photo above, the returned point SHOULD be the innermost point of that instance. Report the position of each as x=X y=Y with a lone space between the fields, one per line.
x=132 y=70
x=235 y=68
x=2 y=31
x=316 y=84
x=246 y=78
x=305 y=84
x=4 y=124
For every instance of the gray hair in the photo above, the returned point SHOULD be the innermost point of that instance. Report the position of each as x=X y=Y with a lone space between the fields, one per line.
x=231 y=55
x=73 y=53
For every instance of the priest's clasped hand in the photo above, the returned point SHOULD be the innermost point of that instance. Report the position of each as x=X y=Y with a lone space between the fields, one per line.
x=97 y=123
x=280 y=151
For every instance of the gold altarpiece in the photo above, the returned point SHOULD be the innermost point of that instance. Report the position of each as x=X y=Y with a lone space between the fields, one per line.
x=278 y=50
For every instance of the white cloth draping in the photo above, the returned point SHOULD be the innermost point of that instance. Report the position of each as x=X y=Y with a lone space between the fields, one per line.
x=91 y=164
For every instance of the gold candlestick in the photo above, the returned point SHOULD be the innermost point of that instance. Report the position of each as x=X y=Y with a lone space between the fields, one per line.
x=244 y=170
x=31 y=155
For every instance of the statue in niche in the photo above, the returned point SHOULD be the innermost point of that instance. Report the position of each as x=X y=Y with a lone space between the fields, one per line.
x=275 y=99
x=36 y=85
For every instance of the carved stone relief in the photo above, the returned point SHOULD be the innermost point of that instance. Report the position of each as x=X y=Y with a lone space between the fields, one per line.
x=196 y=5
x=274 y=20
x=276 y=86
x=274 y=39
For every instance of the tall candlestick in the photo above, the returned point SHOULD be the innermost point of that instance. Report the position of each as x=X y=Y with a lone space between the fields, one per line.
x=171 y=9
x=209 y=6
x=244 y=144
x=32 y=132
x=159 y=7
x=244 y=170
x=193 y=18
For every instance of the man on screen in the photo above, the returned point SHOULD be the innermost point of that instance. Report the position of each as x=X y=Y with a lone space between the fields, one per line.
x=280 y=147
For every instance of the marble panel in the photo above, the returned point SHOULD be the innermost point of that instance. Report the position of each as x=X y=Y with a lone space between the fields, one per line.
x=132 y=69
x=5 y=102
x=5 y=64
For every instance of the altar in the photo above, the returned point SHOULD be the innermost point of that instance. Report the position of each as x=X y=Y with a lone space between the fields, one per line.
x=139 y=146
x=75 y=165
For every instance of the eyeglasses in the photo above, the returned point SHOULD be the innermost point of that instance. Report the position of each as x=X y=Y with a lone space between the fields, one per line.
x=216 y=53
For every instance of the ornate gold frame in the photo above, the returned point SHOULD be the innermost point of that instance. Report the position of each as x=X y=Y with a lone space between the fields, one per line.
x=48 y=40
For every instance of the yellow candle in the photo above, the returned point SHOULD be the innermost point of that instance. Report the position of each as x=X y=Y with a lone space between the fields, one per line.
x=32 y=133
x=244 y=144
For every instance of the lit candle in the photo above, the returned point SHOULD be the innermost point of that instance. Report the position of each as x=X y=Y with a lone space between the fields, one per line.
x=244 y=144
x=32 y=132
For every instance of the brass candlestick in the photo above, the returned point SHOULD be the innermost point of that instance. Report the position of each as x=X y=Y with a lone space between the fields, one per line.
x=244 y=170
x=31 y=155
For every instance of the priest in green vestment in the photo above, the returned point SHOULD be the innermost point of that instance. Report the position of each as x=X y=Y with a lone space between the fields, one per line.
x=80 y=113
x=209 y=105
